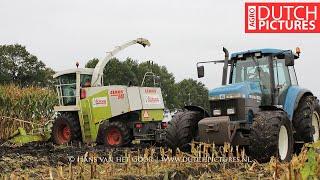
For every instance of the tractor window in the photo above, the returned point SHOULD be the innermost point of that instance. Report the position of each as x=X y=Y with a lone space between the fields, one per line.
x=254 y=70
x=293 y=76
x=281 y=79
x=248 y=70
x=67 y=89
x=281 y=74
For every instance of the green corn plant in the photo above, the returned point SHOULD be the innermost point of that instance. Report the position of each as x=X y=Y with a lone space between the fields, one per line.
x=24 y=107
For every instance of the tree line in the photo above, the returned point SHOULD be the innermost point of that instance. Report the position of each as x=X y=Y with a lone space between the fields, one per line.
x=19 y=67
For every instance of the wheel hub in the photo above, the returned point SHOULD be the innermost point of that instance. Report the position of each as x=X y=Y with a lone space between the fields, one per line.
x=64 y=133
x=283 y=142
x=114 y=136
x=315 y=124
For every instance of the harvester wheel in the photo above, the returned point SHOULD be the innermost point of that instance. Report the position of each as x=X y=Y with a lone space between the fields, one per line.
x=182 y=129
x=271 y=135
x=66 y=128
x=115 y=134
x=306 y=120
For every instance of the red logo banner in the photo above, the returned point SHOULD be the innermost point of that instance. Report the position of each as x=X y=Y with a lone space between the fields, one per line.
x=295 y=17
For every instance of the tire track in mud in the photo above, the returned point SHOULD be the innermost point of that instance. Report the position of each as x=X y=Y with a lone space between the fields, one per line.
x=37 y=154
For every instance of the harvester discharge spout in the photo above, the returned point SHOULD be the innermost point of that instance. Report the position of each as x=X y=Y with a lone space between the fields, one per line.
x=98 y=70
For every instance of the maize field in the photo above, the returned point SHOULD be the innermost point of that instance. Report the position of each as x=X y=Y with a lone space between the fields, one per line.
x=24 y=107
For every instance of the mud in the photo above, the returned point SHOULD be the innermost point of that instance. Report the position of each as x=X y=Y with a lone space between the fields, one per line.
x=36 y=154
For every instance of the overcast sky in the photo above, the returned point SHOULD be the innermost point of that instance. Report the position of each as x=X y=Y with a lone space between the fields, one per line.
x=181 y=33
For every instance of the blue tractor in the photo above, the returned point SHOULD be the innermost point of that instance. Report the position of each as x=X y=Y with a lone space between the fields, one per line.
x=261 y=108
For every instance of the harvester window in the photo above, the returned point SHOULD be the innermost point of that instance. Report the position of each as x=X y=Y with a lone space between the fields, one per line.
x=85 y=80
x=67 y=89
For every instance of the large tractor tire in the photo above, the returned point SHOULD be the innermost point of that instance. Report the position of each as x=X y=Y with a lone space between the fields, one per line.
x=306 y=119
x=66 y=129
x=271 y=135
x=182 y=129
x=115 y=134
x=316 y=122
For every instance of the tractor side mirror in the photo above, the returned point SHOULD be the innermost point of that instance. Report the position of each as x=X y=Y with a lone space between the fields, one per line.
x=289 y=59
x=200 y=70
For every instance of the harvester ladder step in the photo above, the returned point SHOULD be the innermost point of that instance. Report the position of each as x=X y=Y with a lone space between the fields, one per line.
x=86 y=126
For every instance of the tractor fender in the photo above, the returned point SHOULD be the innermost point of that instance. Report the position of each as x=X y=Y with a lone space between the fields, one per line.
x=197 y=108
x=294 y=94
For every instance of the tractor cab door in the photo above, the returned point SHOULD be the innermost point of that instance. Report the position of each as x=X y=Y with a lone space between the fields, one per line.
x=282 y=79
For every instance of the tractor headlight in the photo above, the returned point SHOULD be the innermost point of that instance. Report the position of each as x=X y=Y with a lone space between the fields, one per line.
x=235 y=96
x=231 y=111
x=217 y=112
x=214 y=98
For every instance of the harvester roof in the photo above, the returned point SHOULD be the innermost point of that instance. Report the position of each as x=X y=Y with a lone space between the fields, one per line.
x=68 y=71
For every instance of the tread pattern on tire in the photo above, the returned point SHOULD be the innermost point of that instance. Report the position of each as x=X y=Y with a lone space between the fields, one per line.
x=182 y=129
x=264 y=135
x=302 y=119
x=125 y=132
x=72 y=120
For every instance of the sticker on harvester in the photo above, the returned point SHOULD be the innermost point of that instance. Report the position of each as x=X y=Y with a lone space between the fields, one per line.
x=146 y=114
x=119 y=93
x=282 y=17
x=150 y=90
x=100 y=102
x=153 y=99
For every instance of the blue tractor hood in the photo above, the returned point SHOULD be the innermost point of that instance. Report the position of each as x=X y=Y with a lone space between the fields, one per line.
x=244 y=89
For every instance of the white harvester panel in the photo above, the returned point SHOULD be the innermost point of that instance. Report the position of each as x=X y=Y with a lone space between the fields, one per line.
x=151 y=98
x=134 y=98
x=118 y=100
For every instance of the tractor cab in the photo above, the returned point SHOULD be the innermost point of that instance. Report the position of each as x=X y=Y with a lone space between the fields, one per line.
x=269 y=70
x=69 y=85
x=264 y=75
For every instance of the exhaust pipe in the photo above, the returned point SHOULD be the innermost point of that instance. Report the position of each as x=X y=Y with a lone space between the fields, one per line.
x=225 y=66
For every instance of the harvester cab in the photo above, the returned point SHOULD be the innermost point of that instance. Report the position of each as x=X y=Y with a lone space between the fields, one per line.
x=261 y=107
x=113 y=115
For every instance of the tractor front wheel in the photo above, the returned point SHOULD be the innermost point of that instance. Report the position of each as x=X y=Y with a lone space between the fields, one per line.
x=115 y=134
x=65 y=129
x=182 y=129
x=271 y=135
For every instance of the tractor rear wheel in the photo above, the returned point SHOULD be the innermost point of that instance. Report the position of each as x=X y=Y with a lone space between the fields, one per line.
x=115 y=134
x=306 y=120
x=271 y=135
x=66 y=129
x=182 y=129
x=316 y=123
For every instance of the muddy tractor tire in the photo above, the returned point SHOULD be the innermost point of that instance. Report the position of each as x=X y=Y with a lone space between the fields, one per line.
x=306 y=120
x=271 y=135
x=66 y=129
x=182 y=129
x=115 y=134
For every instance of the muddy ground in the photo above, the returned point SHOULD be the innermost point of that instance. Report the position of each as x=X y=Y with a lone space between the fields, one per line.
x=37 y=154
x=34 y=159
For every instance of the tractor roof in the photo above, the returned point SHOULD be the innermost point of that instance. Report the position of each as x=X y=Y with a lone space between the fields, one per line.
x=265 y=51
x=81 y=70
